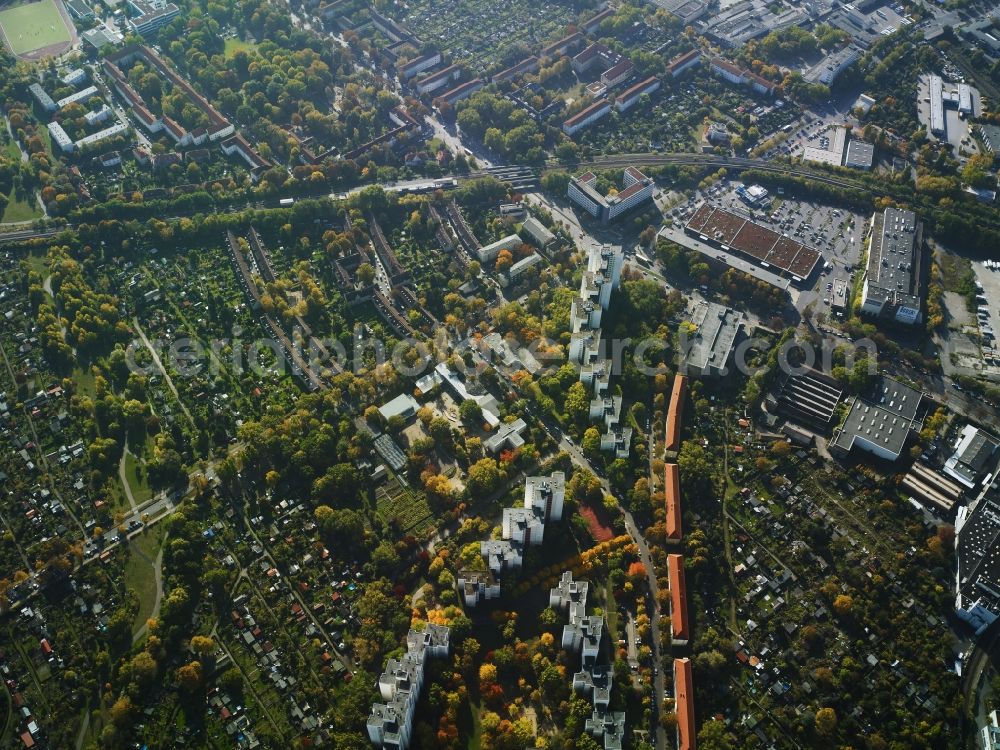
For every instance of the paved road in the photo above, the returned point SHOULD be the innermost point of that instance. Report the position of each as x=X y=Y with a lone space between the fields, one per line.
x=652 y=606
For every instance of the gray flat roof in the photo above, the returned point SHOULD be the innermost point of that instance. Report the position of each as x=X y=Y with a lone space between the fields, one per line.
x=884 y=419
x=859 y=154
x=894 y=272
x=718 y=327
x=978 y=548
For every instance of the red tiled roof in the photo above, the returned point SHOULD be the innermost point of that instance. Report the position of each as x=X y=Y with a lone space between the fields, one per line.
x=684 y=705
x=678 y=597
x=564 y=42
x=718 y=62
x=585 y=113
x=760 y=79
x=598 y=19
x=503 y=75
x=451 y=70
x=638 y=89
x=630 y=191
x=682 y=60
x=675 y=413
x=461 y=89
x=672 y=492
x=622 y=68
x=634 y=173
x=591 y=51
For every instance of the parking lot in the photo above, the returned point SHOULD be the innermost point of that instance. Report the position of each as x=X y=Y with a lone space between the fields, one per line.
x=836 y=232
x=816 y=134
x=988 y=307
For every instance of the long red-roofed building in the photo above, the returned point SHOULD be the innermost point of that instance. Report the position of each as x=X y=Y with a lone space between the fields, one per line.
x=678 y=599
x=684 y=705
x=672 y=492
x=675 y=414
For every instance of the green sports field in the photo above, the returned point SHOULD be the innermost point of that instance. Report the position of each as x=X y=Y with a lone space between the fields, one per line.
x=33 y=26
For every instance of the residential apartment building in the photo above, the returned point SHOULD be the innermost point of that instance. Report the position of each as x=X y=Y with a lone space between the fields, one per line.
x=419 y=65
x=150 y=15
x=489 y=253
x=637 y=189
x=631 y=95
x=684 y=62
x=587 y=116
x=441 y=78
x=546 y=495
x=390 y=723
x=584 y=634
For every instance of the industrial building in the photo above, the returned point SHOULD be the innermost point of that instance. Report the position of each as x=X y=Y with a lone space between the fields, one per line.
x=839 y=299
x=881 y=424
x=860 y=155
x=894 y=284
x=974 y=456
x=771 y=250
x=937 y=104
x=809 y=398
x=932 y=488
x=718 y=330
x=637 y=189
x=977 y=543
x=832 y=154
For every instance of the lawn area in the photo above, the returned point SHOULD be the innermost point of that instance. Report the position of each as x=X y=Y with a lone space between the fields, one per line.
x=135 y=475
x=12 y=150
x=234 y=45
x=36 y=262
x=83 y=378
x=33 y=26
x=21 y=208
x=139 y=573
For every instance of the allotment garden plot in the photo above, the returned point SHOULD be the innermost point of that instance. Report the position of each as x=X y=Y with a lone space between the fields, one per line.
x=483 y=31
